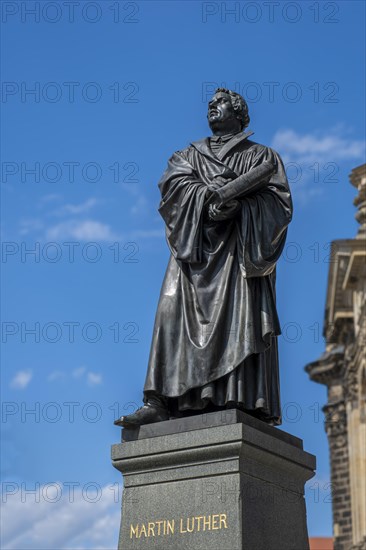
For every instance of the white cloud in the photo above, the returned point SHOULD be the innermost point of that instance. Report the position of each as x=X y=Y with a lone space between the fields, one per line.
x=21 y=379
x=81 y=373
x=94 y=379
x=313 y=161
x=77 y=373
x=68 y=523
x=56 y=375
x=140 y=207
x=30 y=225
x=87 y=230
x=317 y=147
x=51 y=197
x=76 y=208
x=91 y=230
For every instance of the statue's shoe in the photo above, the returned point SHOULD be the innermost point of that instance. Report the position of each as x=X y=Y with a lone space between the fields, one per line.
x=147 y=414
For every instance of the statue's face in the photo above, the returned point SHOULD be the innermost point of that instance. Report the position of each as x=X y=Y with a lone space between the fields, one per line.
x=221 y=113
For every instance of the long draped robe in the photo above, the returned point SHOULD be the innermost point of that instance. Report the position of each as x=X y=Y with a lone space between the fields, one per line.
x=216 y=326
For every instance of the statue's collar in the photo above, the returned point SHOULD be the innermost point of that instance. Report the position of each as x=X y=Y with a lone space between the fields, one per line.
x=203 y=145
x=223 y=139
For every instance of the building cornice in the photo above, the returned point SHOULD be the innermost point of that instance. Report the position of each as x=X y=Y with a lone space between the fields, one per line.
x=328 y=368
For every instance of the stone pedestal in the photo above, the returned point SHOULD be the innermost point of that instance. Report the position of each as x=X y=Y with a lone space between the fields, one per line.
x=216 y=481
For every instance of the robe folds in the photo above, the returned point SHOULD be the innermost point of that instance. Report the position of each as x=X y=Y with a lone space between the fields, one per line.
x=216 y=326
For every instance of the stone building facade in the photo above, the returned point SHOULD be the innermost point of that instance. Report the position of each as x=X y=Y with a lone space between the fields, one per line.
x=342 y=368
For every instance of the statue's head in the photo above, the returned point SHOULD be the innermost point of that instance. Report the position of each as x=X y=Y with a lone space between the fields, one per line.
x=227 y=112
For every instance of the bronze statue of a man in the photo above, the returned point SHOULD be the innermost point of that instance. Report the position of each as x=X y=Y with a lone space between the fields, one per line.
x=226 y=205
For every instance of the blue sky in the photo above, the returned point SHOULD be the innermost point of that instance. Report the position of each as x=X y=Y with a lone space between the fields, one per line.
x=117 y=88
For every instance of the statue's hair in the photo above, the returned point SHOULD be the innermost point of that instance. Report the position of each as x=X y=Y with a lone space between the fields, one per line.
x=239 y=104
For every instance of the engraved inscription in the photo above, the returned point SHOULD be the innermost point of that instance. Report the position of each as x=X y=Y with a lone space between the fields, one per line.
x=182 y=526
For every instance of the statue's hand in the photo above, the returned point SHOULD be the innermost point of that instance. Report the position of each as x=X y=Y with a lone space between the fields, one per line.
x=211 y=189
x=216 y=183
x=219 y=181
x=225 y=212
